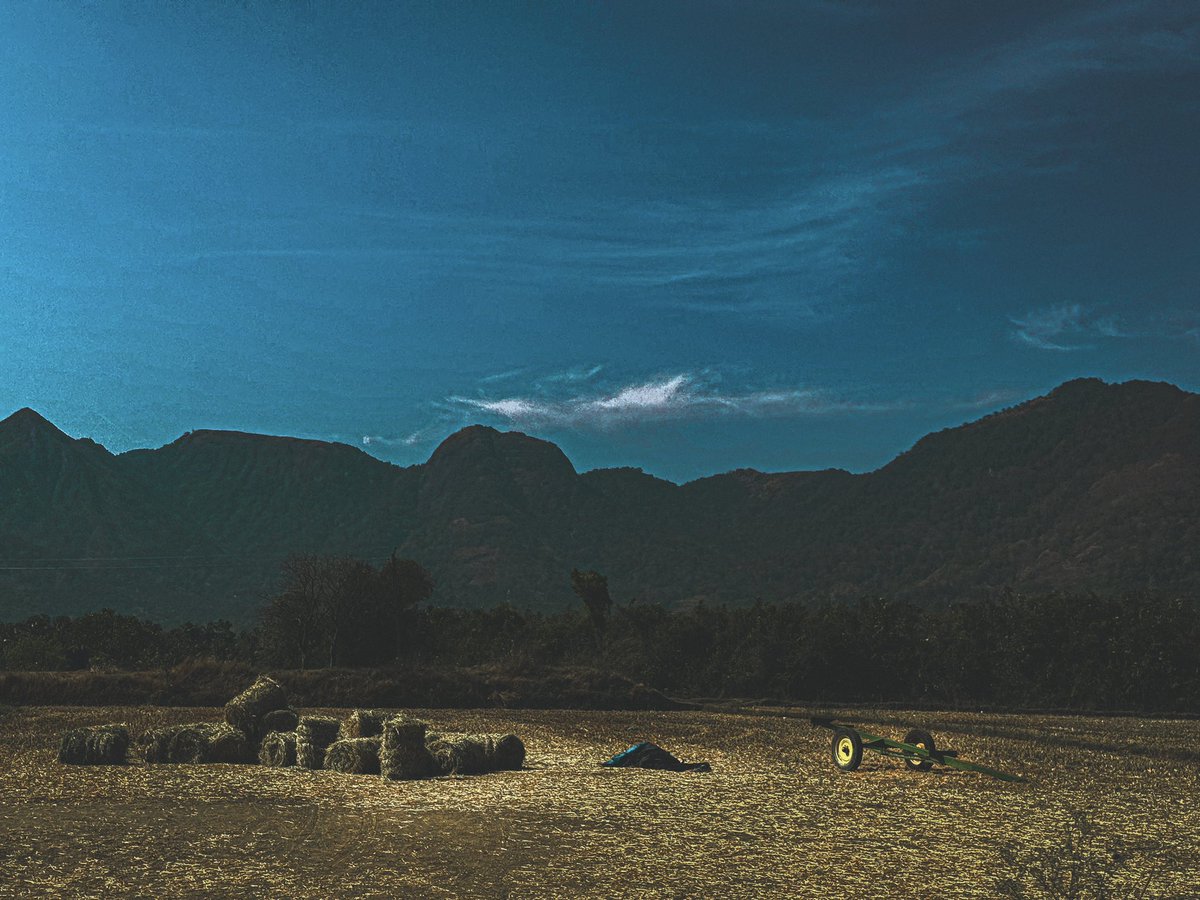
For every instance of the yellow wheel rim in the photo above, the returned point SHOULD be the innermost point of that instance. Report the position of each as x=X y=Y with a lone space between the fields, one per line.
x=915 y=761
x=845 y=750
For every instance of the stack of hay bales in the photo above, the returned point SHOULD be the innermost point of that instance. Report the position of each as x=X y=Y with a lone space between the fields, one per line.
x=354 y=756
x=248 y=710
x=278 y=749
x=104 y=745
x=259 y=710
x=475 y=754
x=314 y=734
x=260 y=726
x=402 y=752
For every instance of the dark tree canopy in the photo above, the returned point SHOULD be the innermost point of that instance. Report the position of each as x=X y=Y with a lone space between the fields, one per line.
x=339 y=610
x=592 y=588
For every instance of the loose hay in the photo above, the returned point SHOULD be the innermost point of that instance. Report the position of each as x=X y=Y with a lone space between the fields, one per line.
x=363 y=723
x=354 y=756
x=104 y=745
x=206 y=742
x=280 y=720
x=224 y=830
x=314 y=734
x=245 y=712
x=403 y=754
x=278 y=749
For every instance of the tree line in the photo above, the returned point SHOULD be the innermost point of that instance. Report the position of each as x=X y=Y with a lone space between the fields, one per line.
x=1061 y=650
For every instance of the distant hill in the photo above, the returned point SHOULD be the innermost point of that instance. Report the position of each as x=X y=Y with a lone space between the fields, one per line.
x=1094 y=487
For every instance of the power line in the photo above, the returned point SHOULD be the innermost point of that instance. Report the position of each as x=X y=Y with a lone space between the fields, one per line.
x=382 y=554
x=119 y=568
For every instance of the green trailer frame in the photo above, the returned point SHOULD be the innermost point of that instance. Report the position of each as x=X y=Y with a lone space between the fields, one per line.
x=917 y=750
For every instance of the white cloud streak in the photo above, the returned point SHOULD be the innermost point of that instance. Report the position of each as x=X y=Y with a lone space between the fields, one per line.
x=420 y=436
x=673 y=397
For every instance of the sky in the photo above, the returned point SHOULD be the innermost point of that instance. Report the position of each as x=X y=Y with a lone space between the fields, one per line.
x=688 y=237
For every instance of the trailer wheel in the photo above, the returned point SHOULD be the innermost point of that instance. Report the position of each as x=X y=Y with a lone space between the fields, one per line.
x=924 y=740
x=847 y=749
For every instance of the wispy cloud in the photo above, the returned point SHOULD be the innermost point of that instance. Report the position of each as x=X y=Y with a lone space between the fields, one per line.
x=804 y=227
x=808 y=245
x=1074 y=326
x=671 y=397
x=420 y=436
x=1065 y=327
x=507 y=375
x=579 y=373
x=988 y=399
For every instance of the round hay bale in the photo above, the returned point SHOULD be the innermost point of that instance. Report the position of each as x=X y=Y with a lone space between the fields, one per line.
x=314 y=734
x=73 y=748
x=462 y=754
x=363 y=723
x=156 y=743
x=402 y=751
x=508 y=753
x=207 y=742
x=278 y=749
x=280 y=720
x=103 y=745
x=354 y=756
x=227 y=744
x=245 y=711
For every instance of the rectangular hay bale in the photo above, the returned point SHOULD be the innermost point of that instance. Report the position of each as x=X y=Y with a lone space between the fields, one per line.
x=314 y=734
x=363 y=723
x=402 y=752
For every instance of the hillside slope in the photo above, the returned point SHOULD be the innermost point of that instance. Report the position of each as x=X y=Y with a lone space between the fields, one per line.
x=1093 y=487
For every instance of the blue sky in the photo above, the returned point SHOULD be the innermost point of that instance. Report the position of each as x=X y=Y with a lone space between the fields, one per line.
x=687 y=237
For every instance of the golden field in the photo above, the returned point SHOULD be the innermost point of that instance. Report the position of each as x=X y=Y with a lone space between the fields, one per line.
x=774 y=818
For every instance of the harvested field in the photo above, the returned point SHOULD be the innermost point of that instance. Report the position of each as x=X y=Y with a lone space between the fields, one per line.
x=773 y=818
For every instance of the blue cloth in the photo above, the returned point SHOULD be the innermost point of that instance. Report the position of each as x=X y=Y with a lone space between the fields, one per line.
x=644 y=755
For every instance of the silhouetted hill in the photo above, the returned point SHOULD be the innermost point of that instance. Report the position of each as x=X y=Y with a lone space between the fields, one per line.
x=1093 y=487
x=75 y=529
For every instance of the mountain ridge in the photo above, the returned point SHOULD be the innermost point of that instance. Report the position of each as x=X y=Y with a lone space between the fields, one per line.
x=1091 y=487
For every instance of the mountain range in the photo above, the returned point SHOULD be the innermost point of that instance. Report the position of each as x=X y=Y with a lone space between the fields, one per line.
x=1093 y=487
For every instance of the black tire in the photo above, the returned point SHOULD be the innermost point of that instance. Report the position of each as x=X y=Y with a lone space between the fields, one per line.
x=846 y=749
x=924 y=740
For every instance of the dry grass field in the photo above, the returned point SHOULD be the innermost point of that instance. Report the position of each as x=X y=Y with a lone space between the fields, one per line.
x=774 y=818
